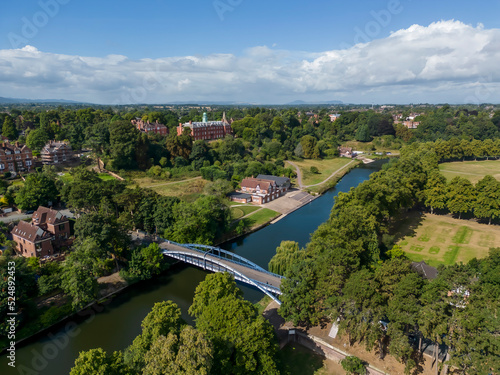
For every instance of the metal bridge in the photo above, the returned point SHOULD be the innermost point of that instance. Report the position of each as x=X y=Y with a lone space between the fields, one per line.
x=217 y=260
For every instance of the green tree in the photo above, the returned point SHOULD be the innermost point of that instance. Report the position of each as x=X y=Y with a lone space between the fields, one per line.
x=487 y=203
x=78 y=281
x=461 y=196
x=36 y=139
x=189 y=353
x=38 y=190
x=308 y=144
x=146 y=262
x=97 y=362
x=9 y=130
x=123 y=140
x=435 y=191
x=164 y=318
x=218 y=188
x=287 y=253
x=353 y=365
x=244 y=341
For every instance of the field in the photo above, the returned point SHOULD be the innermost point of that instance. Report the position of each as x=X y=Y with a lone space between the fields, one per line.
x=325 y=167
x=260 y=217
x=240 y=211
x=444 y=240
x=188 y=190
x=472 y=170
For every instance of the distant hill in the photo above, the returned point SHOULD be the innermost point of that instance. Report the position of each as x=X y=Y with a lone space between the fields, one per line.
x=301 y=102
x=19 y=101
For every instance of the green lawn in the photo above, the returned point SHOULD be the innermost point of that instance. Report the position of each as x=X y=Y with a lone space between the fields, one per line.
x=325 y=167
x=445 y=240
x=236 y=213
x=261 y=217
x=106 y=177
x=472 y=170
x=186 y=190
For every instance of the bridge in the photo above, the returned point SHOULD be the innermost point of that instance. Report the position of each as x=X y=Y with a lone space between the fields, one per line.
x=218 y=260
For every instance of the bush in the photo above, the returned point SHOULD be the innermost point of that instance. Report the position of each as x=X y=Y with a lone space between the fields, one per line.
x=353 y=365
x=314 y=170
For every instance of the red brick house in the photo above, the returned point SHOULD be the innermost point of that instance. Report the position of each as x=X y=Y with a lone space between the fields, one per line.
x=15 y=158
x=54 y=222
x=32 y=241
x=148 y=127
x=345 y=152
x=207 y=129
x=48 y=231
x=262 y=191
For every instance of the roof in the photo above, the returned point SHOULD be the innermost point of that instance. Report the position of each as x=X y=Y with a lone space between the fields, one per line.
x=30 y=232
x=280 y=181
x=240 y=195
x=254 y=182
x=425 y=270
x=53 y=147
x=46 y=215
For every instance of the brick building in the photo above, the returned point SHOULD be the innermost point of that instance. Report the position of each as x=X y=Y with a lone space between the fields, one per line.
x=56 y=153
x=147 y=127
x=207 y=129
x=262 y=189
x=15 y=158
x=48 y=231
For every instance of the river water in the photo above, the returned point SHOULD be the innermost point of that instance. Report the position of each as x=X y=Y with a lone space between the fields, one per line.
x=117 y=323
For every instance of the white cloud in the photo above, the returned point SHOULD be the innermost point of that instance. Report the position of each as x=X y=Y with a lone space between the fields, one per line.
x=447 y=61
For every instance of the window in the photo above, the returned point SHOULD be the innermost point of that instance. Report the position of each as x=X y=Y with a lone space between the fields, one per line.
x=2 y=166
x=28 y=163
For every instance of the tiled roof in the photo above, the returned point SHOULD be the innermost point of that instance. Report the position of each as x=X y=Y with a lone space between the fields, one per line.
x=46 y=215
x=30 y=232
x=253 y=182
x=427 y=272
x=280 y=181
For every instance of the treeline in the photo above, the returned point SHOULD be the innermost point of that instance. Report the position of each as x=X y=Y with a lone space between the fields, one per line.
x=230 y=337
x=350 y=273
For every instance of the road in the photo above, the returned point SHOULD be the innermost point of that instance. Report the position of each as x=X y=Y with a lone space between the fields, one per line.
x=17 y=216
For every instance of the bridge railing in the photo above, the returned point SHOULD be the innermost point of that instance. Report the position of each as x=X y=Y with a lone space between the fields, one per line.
x=235 y=258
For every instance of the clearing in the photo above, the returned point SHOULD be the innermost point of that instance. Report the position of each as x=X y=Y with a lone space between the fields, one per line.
x=189 y=189
x=472 y=170
x=325 y=167
x=444 y=240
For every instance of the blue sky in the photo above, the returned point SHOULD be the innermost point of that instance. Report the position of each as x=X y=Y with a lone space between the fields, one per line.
x=281 y=37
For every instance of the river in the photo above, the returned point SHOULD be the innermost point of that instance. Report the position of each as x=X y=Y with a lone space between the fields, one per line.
x=114 y=328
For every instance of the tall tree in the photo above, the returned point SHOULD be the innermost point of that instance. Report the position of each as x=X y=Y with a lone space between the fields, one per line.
x=487 y=203
x=38 y=190
x=461 y=196
x=9 y=130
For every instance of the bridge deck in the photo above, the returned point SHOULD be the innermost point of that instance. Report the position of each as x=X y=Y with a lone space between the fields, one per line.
x=260 y=276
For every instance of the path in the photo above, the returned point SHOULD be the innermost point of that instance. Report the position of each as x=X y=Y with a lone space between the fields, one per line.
x=247 y=215
x=299 y=174
x=173 y=182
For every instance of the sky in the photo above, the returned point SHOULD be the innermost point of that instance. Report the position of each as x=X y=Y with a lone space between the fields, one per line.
x=262 y=52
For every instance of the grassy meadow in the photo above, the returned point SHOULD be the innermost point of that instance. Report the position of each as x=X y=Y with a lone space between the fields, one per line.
x=472 y=170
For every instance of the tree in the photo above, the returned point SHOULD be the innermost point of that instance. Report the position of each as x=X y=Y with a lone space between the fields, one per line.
x=308 y=144
x=244 y=341
x=435 y=191
x=36 y=139
x=314 y=169
x=123 y=139
x=97 y=362
x=189 y=353
x=9 y=130
x=78 y=281
x=461 y=196
x=353 y=365
x=38 y=190
x=164 y=318
x=287 y=253
x=487 y=203
x=146 y=262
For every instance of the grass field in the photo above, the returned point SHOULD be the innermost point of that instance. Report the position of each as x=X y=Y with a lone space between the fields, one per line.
x=260 y=217
x=325 y=167
x=444 y=240
x=187 y=190
x=472 y=170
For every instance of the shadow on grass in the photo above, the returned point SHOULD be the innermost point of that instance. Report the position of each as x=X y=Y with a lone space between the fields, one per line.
x=297 y=360
x=406 y=224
